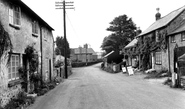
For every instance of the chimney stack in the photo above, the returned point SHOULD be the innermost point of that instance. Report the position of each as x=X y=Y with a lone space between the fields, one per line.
x=157 y=15
x=86 y=46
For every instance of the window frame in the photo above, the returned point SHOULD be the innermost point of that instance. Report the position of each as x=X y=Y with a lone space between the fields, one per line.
x=172 y=39
x=16 y=66
x=15 y=16
x=45 y=34
x=35 y=28
x=183 y=36
x=158 y=58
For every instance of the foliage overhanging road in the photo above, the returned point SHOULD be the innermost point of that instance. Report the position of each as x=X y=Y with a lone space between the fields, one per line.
x=92 y=88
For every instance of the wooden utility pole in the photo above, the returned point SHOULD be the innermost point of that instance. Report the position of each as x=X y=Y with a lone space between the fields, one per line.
x=86 y=53
x=58 y=4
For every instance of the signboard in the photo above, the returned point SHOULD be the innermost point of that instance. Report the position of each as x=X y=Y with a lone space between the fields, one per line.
x=130 y=71
x=124 y=69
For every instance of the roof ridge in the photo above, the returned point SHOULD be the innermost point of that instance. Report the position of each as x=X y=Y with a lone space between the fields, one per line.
x=173 y=11
x=161 y=20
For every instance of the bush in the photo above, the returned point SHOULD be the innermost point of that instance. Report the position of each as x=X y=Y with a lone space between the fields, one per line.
x=51 y=85
x=43 y=91
x=82 y=64
x=20 y=100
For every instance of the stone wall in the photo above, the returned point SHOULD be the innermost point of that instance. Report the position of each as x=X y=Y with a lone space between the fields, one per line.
x=48 y=54
x=21 y=37
x=179 y=43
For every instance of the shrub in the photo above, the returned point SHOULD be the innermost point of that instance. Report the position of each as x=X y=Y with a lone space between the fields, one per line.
x=20 y=100
x=43 y=91
x=82 y=64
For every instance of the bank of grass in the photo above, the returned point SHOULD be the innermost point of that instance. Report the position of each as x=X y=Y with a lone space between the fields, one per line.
x=157 y=74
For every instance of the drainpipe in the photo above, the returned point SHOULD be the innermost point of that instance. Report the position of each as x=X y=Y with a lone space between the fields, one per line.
x=41 y=54
x=169 y=55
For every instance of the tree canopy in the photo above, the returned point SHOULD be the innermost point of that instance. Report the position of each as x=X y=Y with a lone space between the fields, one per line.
x=60 y=43
x=123 y=31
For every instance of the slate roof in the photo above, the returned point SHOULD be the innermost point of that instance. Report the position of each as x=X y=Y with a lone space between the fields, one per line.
x=83 y=51
x=132 y=43
x=178 y=30
x=163 y=21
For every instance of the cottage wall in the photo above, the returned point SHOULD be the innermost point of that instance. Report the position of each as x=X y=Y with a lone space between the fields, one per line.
x=177 y=22
x=179 y=43
x=164 y=53
x=48 y=53
x=21 y=37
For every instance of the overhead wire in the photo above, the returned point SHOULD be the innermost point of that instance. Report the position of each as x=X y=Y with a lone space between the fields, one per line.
x=72 y=25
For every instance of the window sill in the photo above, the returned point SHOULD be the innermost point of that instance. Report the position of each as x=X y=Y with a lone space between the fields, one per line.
x=14 y=82
x=35 y=35
x=15 y=26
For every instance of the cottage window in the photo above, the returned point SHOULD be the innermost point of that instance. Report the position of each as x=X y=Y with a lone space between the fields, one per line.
x=183 y=36
x=14 y=15
x=173 y=38
x=157 y=36
x=35 y=27
x=14 y=63
x=45 y=35
x=158 y=58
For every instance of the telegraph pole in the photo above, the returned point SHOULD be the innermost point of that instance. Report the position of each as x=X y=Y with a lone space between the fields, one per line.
x=86 y=52
x=63 y=4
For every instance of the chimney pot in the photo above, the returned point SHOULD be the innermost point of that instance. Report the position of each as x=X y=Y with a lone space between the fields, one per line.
x=157 y=15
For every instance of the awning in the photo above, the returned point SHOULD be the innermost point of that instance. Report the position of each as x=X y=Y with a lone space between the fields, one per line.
x=181 y=58
x=108 y=54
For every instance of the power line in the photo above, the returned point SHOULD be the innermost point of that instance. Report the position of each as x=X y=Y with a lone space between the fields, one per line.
x=72 y=25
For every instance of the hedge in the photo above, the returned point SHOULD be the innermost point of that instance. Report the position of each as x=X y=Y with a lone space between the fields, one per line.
x=82 y=64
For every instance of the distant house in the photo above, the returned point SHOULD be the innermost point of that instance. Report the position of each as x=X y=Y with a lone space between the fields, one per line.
x=84 y=54
x=99 y=54
x=25 y=28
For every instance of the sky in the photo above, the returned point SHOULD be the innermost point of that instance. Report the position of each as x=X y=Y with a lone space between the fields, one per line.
x=88 y=22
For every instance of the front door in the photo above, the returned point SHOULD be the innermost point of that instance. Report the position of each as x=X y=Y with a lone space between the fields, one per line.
x=178 y=51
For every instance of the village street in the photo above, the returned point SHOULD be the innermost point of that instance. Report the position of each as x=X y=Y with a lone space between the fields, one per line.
x=92 y=88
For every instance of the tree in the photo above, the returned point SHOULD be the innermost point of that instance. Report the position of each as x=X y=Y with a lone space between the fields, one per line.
x=123 y=31
x=59 y=50
x=5 y=54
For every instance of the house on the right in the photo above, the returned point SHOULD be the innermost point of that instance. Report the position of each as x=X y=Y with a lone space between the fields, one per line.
x=169 y=33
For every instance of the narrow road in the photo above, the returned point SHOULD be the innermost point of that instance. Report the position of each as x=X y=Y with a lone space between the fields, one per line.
x=92 y=88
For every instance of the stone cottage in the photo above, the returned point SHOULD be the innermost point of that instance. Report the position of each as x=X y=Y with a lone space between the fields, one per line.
x=25 y=28
x=129 y=54
x=168 y=31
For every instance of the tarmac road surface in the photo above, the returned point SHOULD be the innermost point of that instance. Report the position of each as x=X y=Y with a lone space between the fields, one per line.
x=92 y=88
